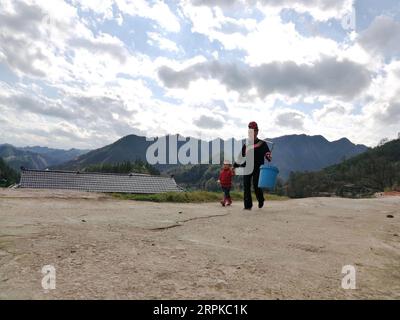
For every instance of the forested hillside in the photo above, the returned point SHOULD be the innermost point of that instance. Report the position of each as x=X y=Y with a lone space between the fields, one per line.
x=377 y=169
x=8 y=176
x=137 y=166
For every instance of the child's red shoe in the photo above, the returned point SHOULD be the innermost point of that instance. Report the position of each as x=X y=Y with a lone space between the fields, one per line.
x=229 y=201
x=223 y=201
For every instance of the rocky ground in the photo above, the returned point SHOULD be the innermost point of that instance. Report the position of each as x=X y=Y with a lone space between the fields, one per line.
x=103 y=248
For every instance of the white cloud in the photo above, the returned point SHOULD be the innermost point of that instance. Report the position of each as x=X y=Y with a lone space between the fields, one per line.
x=158 y=12
x=101 y=7
x=103 y=44
x=56 y=45
x=320 y=9
x=163 y=43
x=331 y=109
x=263 y=42
x=79 y=86
x=86 y=118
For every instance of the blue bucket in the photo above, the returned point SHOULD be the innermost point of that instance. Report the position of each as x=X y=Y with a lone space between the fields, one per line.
x=268 y=177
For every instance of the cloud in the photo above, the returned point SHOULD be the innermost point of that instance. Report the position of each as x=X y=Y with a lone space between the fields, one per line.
x=158 y=12
x=382 y=37
x=72 y=75
x=75 y=107
x=21 y=53
x=389 y=114
x=330 y=109
x=220 y=3
x=207 y=122
x=104 y=44
x=343 y=79
x=94 y=107
x=78 y=119
x=158 y=40
x=319 y=9
x=321 y=4
x=100 y=7
x=48 y=39
x=26 y=103
x=25 y=19
x=256 y=41
x=290 y=119
x=18 y=56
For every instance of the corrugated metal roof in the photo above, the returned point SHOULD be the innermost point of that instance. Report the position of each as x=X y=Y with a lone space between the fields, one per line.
x=97 y=182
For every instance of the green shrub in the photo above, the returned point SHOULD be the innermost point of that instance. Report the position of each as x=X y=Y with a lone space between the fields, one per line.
x=188 y=197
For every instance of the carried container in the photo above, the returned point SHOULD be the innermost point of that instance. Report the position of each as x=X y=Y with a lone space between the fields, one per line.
x=268 y=175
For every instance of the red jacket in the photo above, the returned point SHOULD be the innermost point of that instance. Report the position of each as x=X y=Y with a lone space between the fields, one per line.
x=225 y=178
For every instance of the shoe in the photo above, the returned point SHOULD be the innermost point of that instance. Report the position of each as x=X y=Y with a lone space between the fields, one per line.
x=229 y=202
x=261 y=204
x=223 y=202
x=247 y=209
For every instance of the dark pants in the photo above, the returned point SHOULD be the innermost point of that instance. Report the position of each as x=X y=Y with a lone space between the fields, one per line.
x=248 y=202
x=226 y=191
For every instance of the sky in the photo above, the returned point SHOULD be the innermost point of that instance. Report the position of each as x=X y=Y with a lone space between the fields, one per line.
x=82 y=74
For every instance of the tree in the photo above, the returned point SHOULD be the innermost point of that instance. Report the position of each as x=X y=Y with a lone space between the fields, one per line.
x=124 y=167
x=8 y=176
x=212 y=185
x=383 y=141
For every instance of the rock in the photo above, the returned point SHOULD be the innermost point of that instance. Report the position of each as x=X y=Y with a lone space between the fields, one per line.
x=220 y=283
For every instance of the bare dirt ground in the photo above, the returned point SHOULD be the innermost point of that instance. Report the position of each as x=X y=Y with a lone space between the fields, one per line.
x=103 y=248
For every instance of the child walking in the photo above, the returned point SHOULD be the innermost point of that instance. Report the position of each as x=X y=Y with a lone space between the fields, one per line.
x=225 y=180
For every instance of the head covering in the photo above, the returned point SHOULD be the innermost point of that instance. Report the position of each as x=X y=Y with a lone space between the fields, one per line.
x=253 y=125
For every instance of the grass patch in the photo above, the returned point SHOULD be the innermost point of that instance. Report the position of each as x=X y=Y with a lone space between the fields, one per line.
x=188 y=197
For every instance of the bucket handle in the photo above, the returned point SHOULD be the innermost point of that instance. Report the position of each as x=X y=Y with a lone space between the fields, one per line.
x=272 y=148
x=272 y=144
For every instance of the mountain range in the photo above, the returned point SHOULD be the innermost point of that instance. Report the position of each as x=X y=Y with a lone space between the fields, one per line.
x=318 y=165
x=290 y=153
x=36 y=157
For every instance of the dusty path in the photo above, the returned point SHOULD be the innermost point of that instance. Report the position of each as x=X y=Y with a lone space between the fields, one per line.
x=107 y=248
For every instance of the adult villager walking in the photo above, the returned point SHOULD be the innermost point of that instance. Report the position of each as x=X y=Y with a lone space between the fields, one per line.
x=261 y=152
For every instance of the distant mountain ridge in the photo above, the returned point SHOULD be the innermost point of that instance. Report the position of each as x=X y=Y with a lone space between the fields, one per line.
x=377 y=169
x=291 y=153
x=311 y=153
x=36 y=157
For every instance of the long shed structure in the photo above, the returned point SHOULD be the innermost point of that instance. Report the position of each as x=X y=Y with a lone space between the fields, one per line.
x=97 y=182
